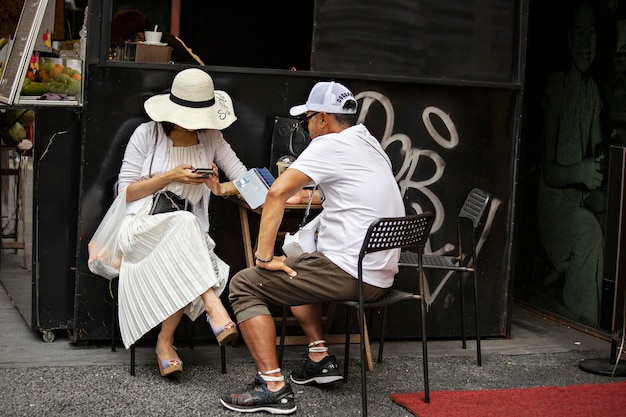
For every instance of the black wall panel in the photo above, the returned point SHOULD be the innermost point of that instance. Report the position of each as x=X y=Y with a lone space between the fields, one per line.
x=442 y=39
x=442 y=140
x=56 y=167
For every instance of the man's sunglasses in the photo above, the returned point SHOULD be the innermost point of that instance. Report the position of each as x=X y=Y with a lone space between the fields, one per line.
x=304 y=122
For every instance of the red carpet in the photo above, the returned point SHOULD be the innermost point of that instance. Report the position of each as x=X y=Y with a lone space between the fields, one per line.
x=589 y=400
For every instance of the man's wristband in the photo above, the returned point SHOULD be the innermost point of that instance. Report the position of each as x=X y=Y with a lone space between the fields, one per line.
x=263 y=261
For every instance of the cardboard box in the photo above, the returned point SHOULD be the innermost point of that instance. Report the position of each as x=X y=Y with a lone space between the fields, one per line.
x=153 y=53
x=140 y=52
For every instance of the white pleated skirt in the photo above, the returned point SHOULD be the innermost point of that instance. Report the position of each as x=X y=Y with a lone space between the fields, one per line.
x=167 y=263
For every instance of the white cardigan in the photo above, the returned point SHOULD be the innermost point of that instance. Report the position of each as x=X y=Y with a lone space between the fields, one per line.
x=150 y=145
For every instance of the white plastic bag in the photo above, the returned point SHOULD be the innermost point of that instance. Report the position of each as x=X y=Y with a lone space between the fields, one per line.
x=304 y=240
x=104 y=256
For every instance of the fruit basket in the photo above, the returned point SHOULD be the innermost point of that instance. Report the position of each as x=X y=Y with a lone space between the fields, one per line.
x=53 y=75
x=14 y=125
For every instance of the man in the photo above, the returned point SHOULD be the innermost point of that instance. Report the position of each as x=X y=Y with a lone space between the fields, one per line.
x=354 y=175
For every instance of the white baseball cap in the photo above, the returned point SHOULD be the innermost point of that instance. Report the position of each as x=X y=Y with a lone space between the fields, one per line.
x=329 y=97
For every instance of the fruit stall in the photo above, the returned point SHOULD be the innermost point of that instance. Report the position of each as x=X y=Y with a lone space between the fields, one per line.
x=53 y=75
x=40 y=130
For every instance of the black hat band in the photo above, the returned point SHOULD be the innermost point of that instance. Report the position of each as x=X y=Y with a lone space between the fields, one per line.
x=192 y=104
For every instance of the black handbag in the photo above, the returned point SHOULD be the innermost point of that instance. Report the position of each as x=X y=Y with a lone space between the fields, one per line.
x=288 y=138
x=165 y=201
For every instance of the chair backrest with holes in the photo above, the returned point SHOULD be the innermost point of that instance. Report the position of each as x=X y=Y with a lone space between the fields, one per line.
x=410 y=231
x=473 y=211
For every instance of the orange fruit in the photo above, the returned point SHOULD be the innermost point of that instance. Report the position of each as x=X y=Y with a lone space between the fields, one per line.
x=76 y=76
x=55 y=71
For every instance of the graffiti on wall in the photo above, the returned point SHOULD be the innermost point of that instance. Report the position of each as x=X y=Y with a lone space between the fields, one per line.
x=410 y=160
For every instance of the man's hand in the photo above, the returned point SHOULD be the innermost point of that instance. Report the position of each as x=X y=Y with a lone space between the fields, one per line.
x=277 y=264
x=590 y=174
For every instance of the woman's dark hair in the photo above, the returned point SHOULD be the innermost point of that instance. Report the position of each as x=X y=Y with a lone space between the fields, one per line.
x=127 y=23
x=167 y=127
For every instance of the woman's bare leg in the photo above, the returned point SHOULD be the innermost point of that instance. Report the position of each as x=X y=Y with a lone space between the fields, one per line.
x=215 y=309
x=165 y=340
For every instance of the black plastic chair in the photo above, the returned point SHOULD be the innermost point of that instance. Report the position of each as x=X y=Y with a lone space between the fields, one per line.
x=389 y=233
x=114 y=326
x=472 y=214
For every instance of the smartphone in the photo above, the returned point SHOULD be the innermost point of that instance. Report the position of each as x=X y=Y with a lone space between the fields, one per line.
x=204 y=171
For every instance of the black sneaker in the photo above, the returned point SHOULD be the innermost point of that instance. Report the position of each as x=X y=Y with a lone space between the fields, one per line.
x=322 y=372
x=256 y=397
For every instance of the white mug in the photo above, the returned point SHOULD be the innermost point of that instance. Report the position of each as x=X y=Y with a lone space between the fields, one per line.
x=152 y=36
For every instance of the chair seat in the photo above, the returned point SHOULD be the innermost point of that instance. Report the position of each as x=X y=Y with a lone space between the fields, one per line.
x=432 y=261
x=392 y=296
x=435 y=261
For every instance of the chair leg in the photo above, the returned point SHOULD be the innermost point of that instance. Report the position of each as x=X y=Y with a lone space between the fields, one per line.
x=346 y=353
x=222 y=348
x=425 y=353
x=362 y=342
x=369 y=363
x=113 y=325
x=192 y=334
x=132 y=359
x=462 y=299
x=479 y=360
x=283 y=332
x=113 y=318
x=223 y=357
x=383 y=329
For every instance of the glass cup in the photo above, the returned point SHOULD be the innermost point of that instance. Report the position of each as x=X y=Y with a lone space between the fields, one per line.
x=284 y=162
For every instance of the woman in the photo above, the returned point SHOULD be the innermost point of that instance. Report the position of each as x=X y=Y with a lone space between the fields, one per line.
x=130 y=25
x=168 y=265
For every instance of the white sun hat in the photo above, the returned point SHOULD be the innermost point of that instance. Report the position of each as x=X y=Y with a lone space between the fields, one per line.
x=192 y=103
x=329 y=97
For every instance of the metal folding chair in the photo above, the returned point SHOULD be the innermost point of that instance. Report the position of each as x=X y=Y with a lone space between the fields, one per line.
x=408 y=232
x=472 y=214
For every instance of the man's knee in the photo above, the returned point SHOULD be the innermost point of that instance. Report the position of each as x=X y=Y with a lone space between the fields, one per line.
x=251 y=312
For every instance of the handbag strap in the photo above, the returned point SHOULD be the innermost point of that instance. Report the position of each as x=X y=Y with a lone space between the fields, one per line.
x=156 y=140
x=308 y=207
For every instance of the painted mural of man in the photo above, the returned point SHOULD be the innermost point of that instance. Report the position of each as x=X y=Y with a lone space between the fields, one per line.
x=571 y=170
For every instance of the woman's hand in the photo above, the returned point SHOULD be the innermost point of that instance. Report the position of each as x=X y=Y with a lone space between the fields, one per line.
x=213 y=181
x=303 y=196
x=184 y=174
x=297 y=198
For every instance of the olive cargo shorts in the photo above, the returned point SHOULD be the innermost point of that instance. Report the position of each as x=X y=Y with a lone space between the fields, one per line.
x=253 y=289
